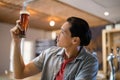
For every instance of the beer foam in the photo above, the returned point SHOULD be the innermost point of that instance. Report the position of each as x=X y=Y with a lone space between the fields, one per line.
x=24 y=12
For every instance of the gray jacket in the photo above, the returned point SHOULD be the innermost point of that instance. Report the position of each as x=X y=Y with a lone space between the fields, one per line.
x=83 y=67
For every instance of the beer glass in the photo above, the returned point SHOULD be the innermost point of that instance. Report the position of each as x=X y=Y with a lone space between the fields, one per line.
x=24 y=20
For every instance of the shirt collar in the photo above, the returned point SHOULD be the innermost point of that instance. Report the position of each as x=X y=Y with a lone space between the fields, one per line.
x=60 y=52
x=80 y=56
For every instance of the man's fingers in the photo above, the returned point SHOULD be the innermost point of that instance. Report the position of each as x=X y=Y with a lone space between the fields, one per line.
x=18 y=24
x=15 y=30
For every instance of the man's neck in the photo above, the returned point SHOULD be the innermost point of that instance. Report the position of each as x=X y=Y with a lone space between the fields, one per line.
x=71 y=52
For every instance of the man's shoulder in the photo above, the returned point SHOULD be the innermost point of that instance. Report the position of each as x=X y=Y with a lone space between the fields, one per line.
x=88 y=56
x=53 y=49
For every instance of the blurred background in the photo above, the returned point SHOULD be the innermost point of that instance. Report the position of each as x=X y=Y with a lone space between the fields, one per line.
x=103 y=17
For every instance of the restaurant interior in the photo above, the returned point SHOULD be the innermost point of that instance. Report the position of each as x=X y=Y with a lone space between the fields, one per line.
x=45 y=20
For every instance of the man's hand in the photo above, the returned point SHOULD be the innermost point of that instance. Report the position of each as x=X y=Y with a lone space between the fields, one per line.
x=15 y=31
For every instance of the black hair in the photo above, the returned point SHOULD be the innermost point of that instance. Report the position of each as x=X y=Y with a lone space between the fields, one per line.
x=80 y=28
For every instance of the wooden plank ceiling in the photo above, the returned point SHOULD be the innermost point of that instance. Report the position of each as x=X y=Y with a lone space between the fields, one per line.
x=42 y=11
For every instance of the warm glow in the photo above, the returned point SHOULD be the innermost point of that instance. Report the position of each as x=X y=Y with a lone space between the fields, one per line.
x=2 y=4
x=32 y=12
x=52 y=23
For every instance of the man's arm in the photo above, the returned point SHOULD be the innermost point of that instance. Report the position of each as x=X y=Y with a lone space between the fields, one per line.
x=20 y=69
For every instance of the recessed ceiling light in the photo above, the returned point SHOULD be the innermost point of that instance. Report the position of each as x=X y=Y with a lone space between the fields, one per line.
x=106 y=13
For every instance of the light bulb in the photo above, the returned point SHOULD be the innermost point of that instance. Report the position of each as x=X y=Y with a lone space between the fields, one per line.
x=106 y=13
x=52 y=23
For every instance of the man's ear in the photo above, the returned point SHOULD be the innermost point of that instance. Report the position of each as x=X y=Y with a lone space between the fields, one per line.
x=76 y=40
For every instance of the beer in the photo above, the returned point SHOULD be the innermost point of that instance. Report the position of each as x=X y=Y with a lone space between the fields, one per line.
x=24 y=20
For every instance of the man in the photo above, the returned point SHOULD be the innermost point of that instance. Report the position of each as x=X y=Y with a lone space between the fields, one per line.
x=68 y=61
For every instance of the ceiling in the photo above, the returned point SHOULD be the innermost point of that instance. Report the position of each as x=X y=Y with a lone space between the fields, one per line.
x=98 y=7
x=42 y=11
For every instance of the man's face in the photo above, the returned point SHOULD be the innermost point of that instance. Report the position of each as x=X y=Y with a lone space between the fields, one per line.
x=64 y=38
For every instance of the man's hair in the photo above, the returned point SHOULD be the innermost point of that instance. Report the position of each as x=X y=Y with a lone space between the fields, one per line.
x=80 y=28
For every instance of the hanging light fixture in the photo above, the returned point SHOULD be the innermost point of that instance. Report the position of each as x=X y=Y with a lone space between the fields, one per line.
x=51 y=20
x=52 y=23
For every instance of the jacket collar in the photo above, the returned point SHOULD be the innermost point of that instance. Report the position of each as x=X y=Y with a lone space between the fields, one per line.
x=60 y=51
x=80 y=56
